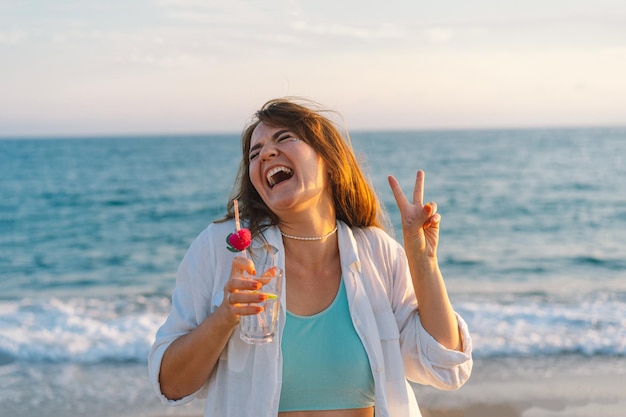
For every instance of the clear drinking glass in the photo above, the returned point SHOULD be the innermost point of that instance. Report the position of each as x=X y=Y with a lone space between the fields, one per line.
x=261 y=328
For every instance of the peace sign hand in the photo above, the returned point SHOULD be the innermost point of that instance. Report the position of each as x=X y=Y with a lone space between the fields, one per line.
x=420 y=222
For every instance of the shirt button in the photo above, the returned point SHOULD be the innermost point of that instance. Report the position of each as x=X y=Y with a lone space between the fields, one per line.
x=358 y=322
x=379 y=370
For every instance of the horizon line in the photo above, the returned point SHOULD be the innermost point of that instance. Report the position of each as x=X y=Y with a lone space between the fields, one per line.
x=154 y=135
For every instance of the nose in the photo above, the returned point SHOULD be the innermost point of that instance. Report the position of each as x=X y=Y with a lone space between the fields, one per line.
x=268 y=151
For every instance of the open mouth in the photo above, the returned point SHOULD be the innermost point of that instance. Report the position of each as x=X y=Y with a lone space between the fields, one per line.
x=277 y=175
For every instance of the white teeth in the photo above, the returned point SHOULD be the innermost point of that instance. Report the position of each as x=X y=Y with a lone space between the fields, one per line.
x=270 y=174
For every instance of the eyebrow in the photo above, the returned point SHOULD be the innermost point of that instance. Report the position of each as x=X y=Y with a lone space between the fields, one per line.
x=274 y=137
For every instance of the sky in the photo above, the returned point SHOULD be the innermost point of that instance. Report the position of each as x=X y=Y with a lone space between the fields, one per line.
x=93 y=67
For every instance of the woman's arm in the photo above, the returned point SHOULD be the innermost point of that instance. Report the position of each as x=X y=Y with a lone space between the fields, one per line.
x=420 y=229
x=190 y=359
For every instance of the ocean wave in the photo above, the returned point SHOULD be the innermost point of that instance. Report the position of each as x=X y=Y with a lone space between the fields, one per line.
x=82 y=330
x=616 y=264
x=122 y=328
x=544 y=325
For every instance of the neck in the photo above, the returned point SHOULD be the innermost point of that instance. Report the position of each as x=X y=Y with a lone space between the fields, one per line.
x=310 y=238
x=313 y=256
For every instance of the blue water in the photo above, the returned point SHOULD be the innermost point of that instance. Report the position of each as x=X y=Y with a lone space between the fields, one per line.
x=533 y=240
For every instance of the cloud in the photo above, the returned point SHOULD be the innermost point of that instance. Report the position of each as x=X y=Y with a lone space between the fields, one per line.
x=167 y=61
x=438 y=35
x=218 y=13
x=12 y=37
x=196 y=17
x=189 y=3
x=382 y=31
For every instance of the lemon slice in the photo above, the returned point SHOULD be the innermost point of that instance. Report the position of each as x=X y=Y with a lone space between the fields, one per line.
x=269 y=295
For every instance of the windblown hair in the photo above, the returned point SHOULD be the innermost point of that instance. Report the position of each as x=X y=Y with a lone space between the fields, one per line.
x=355 y=201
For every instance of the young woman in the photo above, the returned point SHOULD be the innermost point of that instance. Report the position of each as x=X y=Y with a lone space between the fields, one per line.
x=360 y=315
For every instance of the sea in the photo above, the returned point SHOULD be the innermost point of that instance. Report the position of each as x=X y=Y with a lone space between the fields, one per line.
x=92 y=229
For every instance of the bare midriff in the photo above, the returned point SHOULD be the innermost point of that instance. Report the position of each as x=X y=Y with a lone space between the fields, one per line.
x=353 y=412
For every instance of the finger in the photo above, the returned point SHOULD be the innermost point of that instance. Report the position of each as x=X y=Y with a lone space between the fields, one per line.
x=242 y=284
x=241 y=265
x=272 y=271
x=241 y=296
x=398 y=195
x=418 y=191
x=247 y=310
x=432 y=222
x=264 y=279
x=430 y=208
x=246 y=297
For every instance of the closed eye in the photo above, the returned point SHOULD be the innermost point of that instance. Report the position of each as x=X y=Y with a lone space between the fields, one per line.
x=281 y=137
x=285 y=138
x=288 y=139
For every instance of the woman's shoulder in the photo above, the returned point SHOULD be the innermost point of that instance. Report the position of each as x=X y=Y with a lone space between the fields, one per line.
x=209 y=245
x=380 y=255
x=221 y=226
x=374 y=235
x=377 y=243
x=214 y=233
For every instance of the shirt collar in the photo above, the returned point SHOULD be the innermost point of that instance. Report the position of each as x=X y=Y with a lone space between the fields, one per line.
x=347 y=245
x=348 y=249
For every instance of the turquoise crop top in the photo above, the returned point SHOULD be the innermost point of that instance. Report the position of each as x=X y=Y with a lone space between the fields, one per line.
x=325 y=366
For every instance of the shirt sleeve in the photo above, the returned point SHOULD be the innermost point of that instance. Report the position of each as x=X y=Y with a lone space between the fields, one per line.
x=190 y=306
x=425 y=360
x=428 y=362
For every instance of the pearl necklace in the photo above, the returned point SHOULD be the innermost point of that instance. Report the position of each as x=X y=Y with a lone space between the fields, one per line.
x=309 y=238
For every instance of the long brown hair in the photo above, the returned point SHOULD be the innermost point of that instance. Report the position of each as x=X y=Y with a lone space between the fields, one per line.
x=355 y=202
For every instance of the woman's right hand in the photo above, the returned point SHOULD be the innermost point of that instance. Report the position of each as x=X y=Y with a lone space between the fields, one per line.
x=241 y=294
x=190 y=359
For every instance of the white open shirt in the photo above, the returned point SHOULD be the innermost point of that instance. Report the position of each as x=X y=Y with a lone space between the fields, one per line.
x=247 y=379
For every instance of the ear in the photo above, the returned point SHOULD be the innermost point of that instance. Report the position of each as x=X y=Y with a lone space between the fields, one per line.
x=330 y=173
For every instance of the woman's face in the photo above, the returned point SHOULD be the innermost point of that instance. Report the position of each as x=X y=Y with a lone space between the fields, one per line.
x=287 y=173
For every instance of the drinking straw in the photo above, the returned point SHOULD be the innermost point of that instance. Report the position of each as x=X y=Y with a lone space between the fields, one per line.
x=261 y=317
x=237 y=223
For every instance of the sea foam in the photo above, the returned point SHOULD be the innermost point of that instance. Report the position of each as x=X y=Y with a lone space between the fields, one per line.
x=122 y=329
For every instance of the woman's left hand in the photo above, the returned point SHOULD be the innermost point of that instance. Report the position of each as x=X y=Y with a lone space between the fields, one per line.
x=420 y=227
x=420 y=222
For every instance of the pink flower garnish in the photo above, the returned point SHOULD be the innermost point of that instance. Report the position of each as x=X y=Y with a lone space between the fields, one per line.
x=239 y=240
